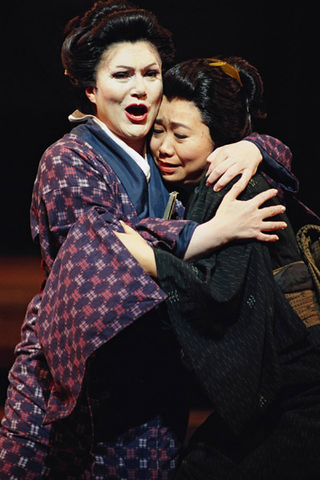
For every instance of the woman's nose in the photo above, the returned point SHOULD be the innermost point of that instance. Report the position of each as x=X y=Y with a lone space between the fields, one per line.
x=139 y=87
x=166 y=148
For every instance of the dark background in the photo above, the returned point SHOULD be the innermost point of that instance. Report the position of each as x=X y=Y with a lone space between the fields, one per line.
x=279 y=38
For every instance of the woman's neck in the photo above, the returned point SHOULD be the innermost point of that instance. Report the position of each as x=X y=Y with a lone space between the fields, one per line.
x=139 y=146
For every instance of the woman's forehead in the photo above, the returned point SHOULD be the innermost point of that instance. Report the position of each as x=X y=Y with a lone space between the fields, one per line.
x=131 y=54
x=178 y=111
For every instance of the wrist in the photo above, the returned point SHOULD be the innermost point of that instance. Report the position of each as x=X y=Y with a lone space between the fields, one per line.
x=256 y=149
x=206 y=238
x=149 y=263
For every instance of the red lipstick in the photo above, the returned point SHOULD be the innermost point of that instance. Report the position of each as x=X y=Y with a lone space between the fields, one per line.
x=136 y=112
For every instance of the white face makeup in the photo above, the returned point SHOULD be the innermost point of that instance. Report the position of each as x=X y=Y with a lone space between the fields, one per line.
x=180 y=142
x=128 y=91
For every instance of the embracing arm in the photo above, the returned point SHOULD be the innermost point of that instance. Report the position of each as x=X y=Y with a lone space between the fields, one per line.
x=244 y=157
x=234 y=220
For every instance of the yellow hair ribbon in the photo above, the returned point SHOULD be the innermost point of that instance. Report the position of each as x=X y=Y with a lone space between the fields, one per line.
x=226 y=67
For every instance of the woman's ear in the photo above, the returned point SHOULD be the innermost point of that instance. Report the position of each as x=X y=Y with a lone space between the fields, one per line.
x=91 y=94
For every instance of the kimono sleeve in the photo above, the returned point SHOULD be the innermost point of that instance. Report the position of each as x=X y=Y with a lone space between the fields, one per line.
x=276 y=164
x=94 y=291
x=171 y=235
x=68 y=181
x=276 y=168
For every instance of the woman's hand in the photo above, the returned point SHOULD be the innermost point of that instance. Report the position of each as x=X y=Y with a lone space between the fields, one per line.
x=229 y=161
x=234 y=220
x=138 y=248
x=244 y=219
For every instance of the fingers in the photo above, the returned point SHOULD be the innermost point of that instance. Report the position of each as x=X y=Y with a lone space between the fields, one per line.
x=237 y=188
x=228 y=161
x=267 y=237
x=221 y=177
x=243 y=181
x=224 y=180
x=272 y=226
x=226 y=172
x=215 y=157
x=214 y=174
x=258 y=200
x=268 y=212
x=262 y=197
x=219 y=165
x=272 y=211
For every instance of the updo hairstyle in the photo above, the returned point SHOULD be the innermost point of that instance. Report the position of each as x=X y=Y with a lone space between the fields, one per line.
x=227 y=105
x=105 y=24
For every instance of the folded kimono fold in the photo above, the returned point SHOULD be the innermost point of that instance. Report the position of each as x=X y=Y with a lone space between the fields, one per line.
x=95 y=290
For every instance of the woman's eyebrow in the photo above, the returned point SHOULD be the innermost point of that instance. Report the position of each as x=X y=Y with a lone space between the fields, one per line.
x=180 y=124
x=132 y=68
x=174 y=124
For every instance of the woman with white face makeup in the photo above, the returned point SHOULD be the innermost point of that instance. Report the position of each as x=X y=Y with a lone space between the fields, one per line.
x=83 y=401
x=246 y=316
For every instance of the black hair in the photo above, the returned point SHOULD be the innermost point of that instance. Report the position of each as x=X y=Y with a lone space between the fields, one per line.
x=227 y=105
x=107 y=23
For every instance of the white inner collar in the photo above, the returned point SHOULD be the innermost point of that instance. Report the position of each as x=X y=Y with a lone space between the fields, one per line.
x=142 y=162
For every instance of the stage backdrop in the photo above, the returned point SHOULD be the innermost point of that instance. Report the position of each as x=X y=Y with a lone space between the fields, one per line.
x=35 y=96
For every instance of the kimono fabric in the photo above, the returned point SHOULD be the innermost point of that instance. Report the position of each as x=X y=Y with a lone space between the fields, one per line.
x=96 y=304
x=75 y=408
x=254 y=357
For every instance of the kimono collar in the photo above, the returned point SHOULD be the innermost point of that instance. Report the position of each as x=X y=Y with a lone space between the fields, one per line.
x=149 y=198
x=79 y=117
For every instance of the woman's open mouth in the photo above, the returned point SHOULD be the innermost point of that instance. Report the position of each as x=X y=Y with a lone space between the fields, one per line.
x=136 y=112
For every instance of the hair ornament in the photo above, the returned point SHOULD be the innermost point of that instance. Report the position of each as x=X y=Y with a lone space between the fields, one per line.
x=226 y=67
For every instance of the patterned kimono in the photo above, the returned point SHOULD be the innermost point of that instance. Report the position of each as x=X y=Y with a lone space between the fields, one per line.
x=97 y=388
x=93 y=292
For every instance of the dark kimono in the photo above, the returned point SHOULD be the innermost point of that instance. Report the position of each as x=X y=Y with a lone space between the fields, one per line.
x=254 y=357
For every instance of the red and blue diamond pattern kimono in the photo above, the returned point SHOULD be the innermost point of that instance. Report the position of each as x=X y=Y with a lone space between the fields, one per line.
x=94 y=290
